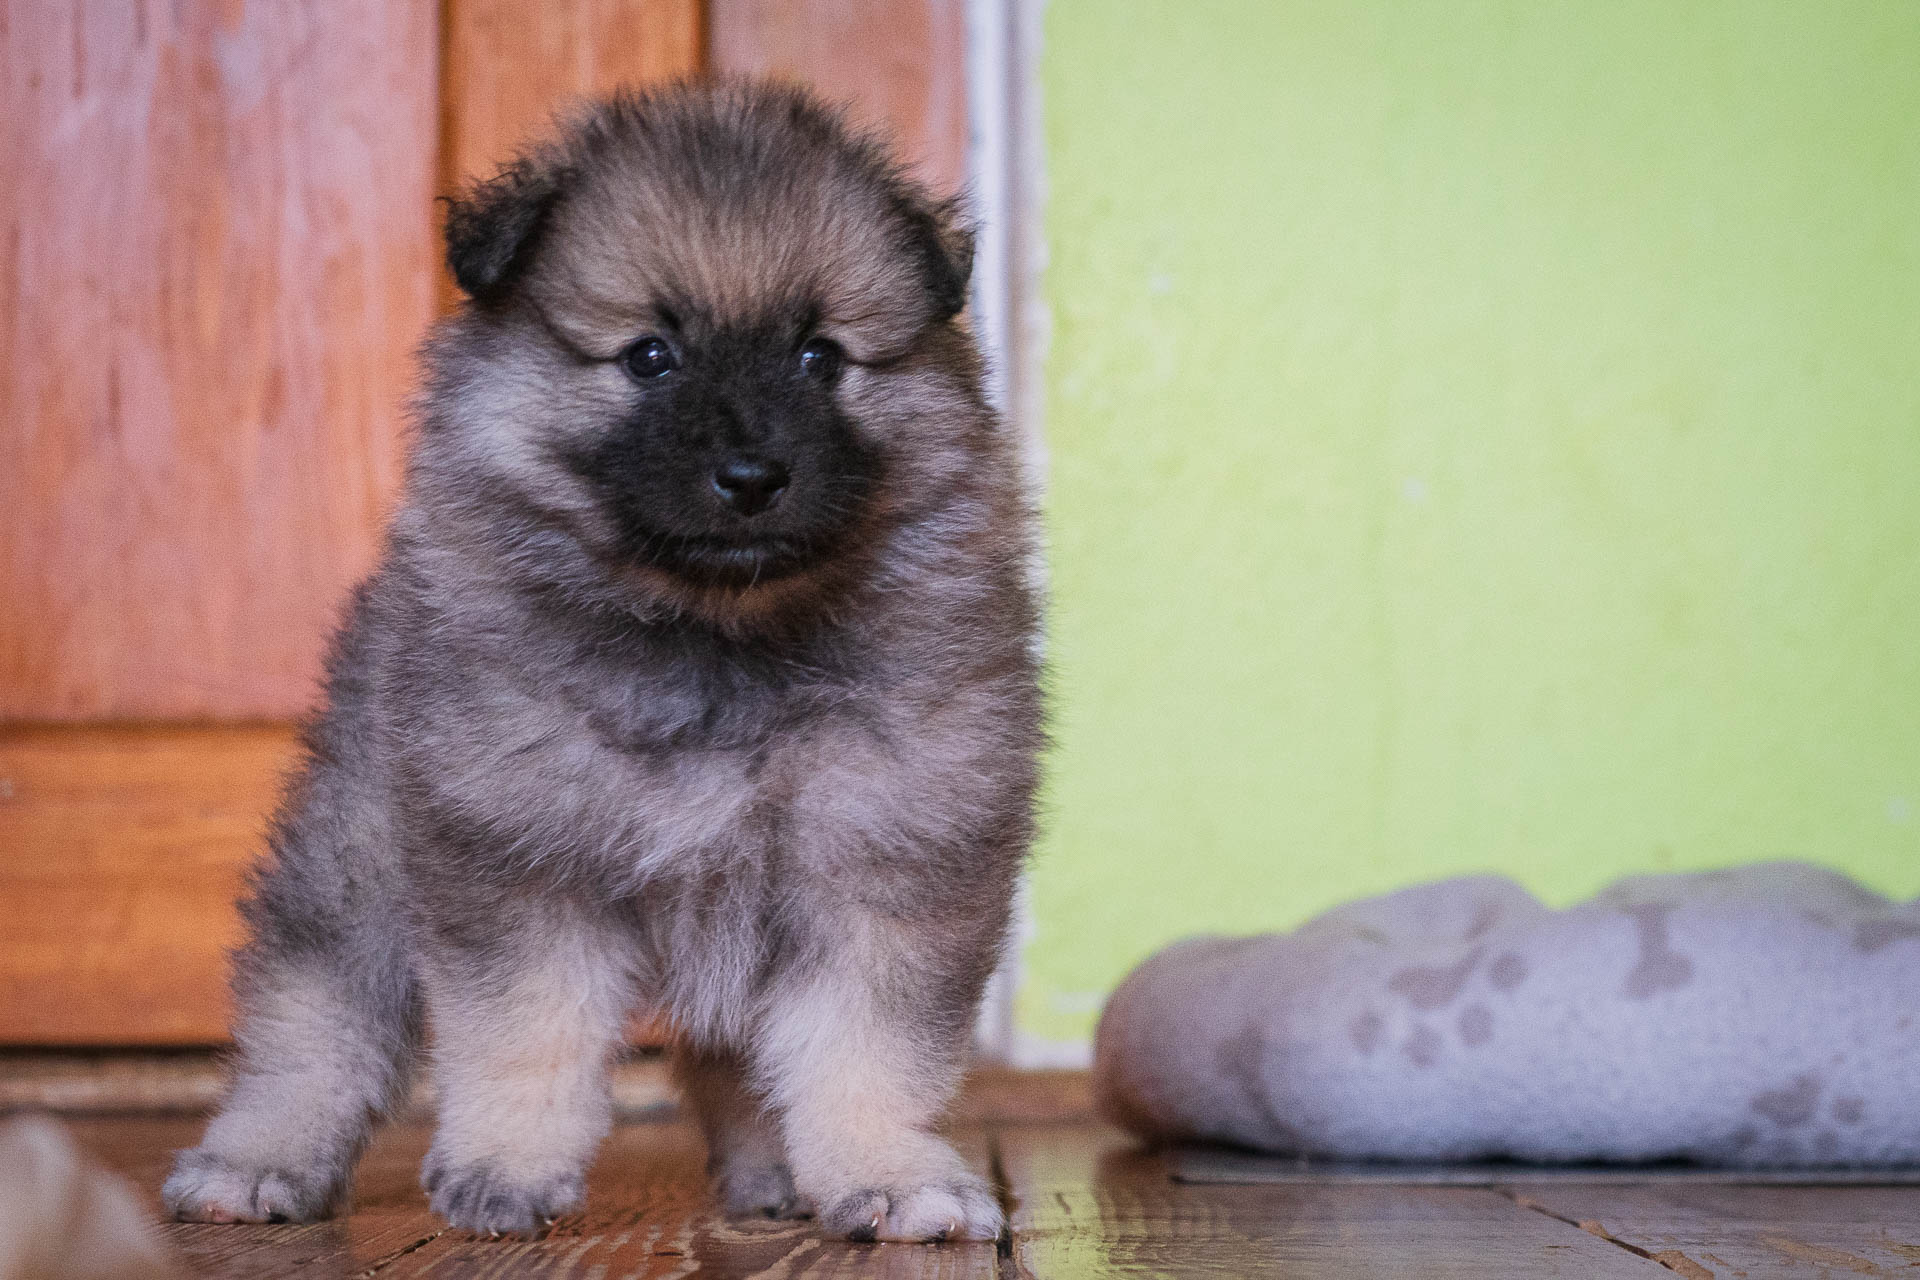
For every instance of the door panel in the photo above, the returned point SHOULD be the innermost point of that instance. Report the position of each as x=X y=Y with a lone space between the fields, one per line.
x=124 y=849
x=218 y=259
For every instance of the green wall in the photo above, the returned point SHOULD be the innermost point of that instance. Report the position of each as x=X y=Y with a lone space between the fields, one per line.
x=1483 y=437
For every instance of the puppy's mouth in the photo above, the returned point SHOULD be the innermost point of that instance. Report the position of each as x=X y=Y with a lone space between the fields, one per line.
x=724 y=562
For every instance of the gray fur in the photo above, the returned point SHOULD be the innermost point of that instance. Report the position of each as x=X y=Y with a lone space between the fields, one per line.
x=559 y=773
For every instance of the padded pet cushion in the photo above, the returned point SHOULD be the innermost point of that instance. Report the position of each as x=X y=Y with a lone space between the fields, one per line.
x=1767 y=1016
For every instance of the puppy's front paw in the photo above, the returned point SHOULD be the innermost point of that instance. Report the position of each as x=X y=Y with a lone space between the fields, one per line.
x=491 y=1200
x=208 y=1187
x=960 y=1208
x=749 y=1189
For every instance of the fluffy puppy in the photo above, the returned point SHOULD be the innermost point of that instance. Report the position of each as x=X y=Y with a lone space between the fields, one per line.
x=697 y=673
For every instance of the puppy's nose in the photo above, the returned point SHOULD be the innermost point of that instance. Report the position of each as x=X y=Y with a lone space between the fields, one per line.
x=750 y=485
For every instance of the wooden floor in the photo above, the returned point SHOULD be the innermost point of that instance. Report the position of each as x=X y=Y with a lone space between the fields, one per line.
x=1083 y=1202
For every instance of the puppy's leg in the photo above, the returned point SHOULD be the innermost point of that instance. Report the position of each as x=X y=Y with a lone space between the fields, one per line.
x=746 y=1158
x=861 y=1053
x=323 y=1051
x=524 y=1027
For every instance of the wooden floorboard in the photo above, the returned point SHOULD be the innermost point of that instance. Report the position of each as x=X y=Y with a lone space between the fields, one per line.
x=1704 y=1230
x=1089 y=1204
x=648 y=1218
x=390 y=1214
x=1085 y=1202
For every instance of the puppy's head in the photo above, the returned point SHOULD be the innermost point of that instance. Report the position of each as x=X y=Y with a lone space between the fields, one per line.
x=710 y=340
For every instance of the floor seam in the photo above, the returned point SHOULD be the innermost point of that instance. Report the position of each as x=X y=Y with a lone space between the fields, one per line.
x=1006 y=1263
x=1593 y=1228
x=386 y=1260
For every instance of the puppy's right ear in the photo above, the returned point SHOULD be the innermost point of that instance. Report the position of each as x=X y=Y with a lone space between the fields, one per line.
x=493 y=226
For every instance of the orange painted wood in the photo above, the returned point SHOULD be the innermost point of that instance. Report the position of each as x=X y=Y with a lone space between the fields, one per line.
x=510 y=65
x=899 y=65
x=121 y=853
x=216 y=257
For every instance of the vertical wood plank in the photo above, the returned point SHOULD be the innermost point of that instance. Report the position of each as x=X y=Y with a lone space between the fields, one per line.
x=511 y=64
x=899 y=65
x=215 y=261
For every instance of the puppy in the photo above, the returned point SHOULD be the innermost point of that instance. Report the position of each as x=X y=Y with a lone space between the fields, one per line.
x=697 y=673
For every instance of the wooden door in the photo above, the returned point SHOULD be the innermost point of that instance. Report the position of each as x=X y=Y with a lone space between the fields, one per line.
x=218 y=255
x=218 y=250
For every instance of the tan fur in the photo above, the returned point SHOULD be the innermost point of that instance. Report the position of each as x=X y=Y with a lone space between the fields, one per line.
x=860 y=1099
x=306 y=1084
x=522 y=1070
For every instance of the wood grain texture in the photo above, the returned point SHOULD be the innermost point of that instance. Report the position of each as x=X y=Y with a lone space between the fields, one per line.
x=648 y=1215
x=510 y=65
x=216 y=257
x=1703 y=1231
x=1090 y=1204
x=1084 y=1204
x=389 y=1219
x=899 y=65
x=123 y=852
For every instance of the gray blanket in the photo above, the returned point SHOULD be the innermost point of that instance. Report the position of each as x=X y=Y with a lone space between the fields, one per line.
x=1766 y=1016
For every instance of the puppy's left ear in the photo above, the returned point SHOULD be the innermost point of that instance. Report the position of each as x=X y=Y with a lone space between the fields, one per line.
x=943 y=239
x=493 y=226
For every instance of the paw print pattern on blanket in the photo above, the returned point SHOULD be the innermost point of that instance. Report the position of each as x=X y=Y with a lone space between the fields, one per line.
x=1763 y=1016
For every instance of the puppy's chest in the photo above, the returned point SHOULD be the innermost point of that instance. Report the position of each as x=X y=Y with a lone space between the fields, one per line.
x=720 y=753
x=795 y=774
x=688 y=707
x=658 y=718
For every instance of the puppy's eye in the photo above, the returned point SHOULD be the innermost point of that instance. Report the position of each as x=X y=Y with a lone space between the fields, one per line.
x=821 y=359
x=650 y=358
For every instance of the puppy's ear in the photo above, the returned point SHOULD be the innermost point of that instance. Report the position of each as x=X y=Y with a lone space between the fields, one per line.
x=943 y=240
x=493 y=226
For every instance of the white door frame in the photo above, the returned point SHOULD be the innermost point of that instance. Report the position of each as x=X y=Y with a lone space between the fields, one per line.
x=1005 y=163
